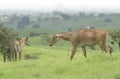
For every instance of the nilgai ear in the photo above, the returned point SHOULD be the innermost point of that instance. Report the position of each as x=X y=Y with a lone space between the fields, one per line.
x=26 y=37
x=18 y=38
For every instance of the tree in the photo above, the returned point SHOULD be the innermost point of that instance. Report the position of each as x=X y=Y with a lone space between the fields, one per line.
x=20 y=25
x=7 y=37
x=13 y=19
x=82 y=15
x=25 y=20
x=36 y=25
x=107 y=20
x=101 y=15
x=57 y=13
x=39 y=19
x=65 y=16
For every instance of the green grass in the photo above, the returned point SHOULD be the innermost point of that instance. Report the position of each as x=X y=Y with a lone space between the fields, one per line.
x=53 y=63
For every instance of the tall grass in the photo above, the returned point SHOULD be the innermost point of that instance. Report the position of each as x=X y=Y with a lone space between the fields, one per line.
x=54 y=63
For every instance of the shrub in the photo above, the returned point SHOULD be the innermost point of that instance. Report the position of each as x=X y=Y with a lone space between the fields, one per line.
x=107 y=20
x=7 y=37
x=36 y=25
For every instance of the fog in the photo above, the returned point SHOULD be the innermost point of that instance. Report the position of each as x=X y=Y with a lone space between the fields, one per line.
x=106 y=6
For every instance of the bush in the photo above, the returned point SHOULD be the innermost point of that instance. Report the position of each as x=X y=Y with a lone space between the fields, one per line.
x=101 y=15
x=36 y=25
x=116 y=37
x=7 y=38
x=107 y=20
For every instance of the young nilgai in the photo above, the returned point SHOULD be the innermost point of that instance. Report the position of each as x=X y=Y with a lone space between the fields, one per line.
x=19 y=44
x=84 y=37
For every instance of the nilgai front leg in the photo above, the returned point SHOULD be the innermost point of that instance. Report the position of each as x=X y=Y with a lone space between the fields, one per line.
x=73 y=52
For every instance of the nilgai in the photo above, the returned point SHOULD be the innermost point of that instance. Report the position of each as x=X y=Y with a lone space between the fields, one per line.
x=84 y=37
x=15 y=49
x=19 y=44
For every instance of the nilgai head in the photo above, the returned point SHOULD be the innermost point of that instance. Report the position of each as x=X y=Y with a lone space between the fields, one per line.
x=26 y=38
x=24 y=41
x=54 y=39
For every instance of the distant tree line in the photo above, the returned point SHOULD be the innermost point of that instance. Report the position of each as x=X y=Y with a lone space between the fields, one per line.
x=22 y=21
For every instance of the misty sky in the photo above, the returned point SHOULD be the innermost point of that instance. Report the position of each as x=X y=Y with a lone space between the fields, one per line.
x=50 y=5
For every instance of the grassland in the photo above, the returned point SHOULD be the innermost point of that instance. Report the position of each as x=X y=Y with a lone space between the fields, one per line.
x=39 y=61
x=44 y=62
